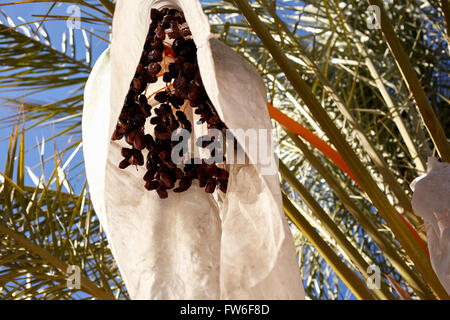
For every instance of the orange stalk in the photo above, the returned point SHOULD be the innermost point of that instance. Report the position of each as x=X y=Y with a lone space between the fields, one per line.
x=314 y=140
x=159 y=90
x=330 y=153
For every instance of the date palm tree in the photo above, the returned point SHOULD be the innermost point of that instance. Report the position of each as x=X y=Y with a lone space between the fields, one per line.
x=376 y=89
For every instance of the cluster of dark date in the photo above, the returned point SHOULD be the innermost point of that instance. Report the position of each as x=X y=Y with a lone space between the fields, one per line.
x=168 y=36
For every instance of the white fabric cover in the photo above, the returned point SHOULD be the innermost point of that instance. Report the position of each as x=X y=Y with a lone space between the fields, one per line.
x=192 y=245
x=431 y=201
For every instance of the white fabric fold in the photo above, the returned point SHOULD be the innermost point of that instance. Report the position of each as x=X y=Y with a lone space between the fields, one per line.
x=431 y=201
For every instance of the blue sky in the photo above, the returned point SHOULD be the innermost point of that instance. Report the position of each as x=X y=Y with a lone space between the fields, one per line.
x=55 y=30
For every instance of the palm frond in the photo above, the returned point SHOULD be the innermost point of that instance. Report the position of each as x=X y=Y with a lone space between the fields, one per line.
x=44 y=231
